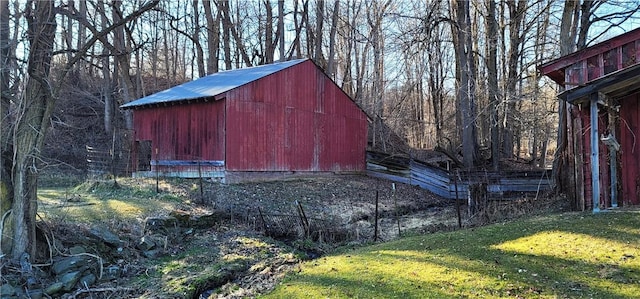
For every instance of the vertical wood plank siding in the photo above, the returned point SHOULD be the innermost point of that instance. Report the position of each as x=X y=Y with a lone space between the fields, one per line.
x=294 y=120
x=630 y=148
x=183 y=132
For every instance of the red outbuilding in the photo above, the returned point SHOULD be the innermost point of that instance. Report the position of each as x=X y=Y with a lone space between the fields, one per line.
x=260 y=122
x=602 y=87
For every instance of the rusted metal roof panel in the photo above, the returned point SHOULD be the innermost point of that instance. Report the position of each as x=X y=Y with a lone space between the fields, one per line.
x=212 y=85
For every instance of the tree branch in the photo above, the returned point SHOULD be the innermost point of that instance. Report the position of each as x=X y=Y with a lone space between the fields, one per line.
x=98 y=35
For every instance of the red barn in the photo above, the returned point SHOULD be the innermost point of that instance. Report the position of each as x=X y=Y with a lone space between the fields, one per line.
x=602 y=87
x=259 y=122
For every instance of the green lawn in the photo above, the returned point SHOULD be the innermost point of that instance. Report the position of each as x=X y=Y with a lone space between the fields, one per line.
x=560 y=256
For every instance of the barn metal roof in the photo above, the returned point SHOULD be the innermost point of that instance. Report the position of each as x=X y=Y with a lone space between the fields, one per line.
x=212 y=85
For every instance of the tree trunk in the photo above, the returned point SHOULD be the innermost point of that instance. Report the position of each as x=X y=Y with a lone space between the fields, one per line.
x=296 y=48
x=268 y=35
x=466 y=86
x=34 y=111
x=318 y=39
x=492 y=74
x=242 y=51
x=332 y=40
x=109 y=105
x=123 y=57
x=6 y=146
x=563 y=172
x=281 y=29
x=196 y=40
x=223 y=6
x=213 y=37
x=516 y=14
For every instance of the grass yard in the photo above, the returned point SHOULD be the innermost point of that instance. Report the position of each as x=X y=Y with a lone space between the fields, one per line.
x=573 y=255
x=92 y=202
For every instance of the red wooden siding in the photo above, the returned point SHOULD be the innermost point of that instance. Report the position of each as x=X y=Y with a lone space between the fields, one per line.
x=183 y=132
x=294 y=120
x=630 y=148
x=595 y=61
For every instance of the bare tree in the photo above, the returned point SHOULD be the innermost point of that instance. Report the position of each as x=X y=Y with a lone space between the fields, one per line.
x=466 y=82
x=32 y=113
x=492 y=79
x=6 y=124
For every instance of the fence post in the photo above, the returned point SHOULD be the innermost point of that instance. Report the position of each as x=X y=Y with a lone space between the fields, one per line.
x=200 y=177
x=375 y=232
x=395 y=203
x=303 y=219
x=157 y=174
x=264 y=224
x=455 y=183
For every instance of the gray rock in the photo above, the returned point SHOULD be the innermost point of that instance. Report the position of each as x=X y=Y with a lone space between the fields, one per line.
x=77 y=250
x=54 y=288
x=152 y=253
x=105 y=236
x=70 y=279
x=7 y=290
x=87 y=280
x=69 y=263
x=35 y=294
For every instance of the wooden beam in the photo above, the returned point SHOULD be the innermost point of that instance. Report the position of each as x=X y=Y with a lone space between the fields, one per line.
x=595 y=154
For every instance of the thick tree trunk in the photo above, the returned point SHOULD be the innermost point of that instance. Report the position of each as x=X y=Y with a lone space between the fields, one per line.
x=6 y=147
x=226 y=33
x=281 y=29
x=563 y=173
x=492 y=74
x=31 y=124
x=123 y=58
x=466 y=86
x=213 y=37
x=516 y=13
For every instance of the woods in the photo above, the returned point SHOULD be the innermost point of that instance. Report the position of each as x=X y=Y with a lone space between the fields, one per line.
x=458 y=76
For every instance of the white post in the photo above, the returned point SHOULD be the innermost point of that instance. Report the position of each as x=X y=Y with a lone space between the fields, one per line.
x=595 y=155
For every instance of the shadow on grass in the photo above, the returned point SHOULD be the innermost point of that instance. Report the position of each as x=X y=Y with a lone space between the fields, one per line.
x=567 y=256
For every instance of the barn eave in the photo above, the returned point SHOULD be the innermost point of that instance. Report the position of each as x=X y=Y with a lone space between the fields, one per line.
x=615 y=85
